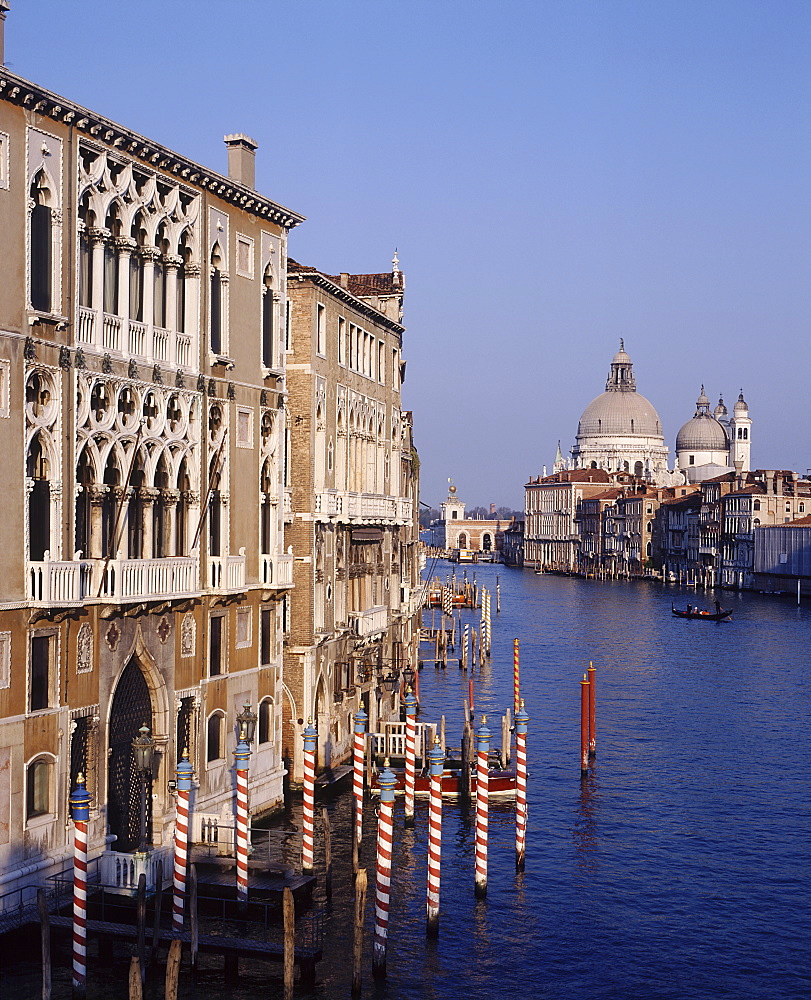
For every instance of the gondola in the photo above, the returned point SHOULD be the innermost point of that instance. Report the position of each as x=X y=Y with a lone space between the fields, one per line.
x=704 y=616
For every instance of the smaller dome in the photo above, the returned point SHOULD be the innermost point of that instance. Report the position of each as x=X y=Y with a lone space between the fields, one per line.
x=702 y=433
x=741 y=406
x=721 y=410
x=702 y=400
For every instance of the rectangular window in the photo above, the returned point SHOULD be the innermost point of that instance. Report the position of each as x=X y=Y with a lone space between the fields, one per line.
x=5 y=659
x=287 y=324
x=4 y=138
x=265 y=637
x=267 y=328
x=215 y=645
x=244 y=427
x=341 y=338
x=216 y=311
x=244 y=256
x=320 y=318
x=243 y=627
x=5 y=388
x=41 y=688
x=381 y=363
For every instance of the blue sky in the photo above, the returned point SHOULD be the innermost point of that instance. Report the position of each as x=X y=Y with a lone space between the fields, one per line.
x=555 y=176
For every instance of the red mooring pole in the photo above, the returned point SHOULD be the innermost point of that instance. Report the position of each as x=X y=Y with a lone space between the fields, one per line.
x=184 y=782
x=436 y=759
x=242 y=756
x=516 y=677
x=411 y=733
x=80 y=809
x=592 y=711
x=385 y=839
x=359 y=746
x=308 y=797
x=521 y=720
x=584 y=727
x=482 y=806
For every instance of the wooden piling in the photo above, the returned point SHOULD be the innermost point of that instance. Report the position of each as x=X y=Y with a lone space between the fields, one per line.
x=141 y=923
x=327 y=853
x=289 y=912
x=464 y=786
x=505 y=741
x=173 y=969
x=442 y=732
x=156 y=923
x=136 y=989
x=357 y=941
x=45 y=931
x=355 y=845
x=194 y=921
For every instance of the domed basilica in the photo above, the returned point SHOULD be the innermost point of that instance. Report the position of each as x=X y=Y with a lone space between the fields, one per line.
x=620 y=430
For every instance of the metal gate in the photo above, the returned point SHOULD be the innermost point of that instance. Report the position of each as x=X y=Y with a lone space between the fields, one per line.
x=131 y=709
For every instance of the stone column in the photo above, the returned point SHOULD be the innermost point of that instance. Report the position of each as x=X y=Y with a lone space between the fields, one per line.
x=169 y=499
x=98 y=237
x=148 y=496
x=125 y=247
x=95 y=497
x=191 y=323
x=170 y=265
x=150 y=255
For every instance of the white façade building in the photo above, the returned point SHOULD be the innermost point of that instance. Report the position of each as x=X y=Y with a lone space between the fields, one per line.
x=620 y=430
x=711 y=443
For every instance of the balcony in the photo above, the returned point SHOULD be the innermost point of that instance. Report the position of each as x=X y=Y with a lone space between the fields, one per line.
x=108 y=332
x=368 y=506
x=276 y=572
x=329 y=503
x=53 y=582
x=369 y=622
x=227 y=572
x=707 y=550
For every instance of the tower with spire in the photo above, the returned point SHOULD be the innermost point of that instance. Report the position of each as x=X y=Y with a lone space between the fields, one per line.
x=740 y=435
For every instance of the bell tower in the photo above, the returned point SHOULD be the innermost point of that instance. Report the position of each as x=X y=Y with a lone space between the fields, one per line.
x=740 y=435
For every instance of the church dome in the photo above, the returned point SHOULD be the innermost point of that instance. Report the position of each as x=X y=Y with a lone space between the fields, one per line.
x=702 y=432
x=740 y=406
x=620 y=414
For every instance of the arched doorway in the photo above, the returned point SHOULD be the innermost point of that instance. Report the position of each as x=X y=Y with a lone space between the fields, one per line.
x=131 y=708
x=462 y=541
x=487 y=542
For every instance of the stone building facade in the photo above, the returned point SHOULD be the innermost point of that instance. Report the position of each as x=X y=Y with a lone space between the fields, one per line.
x=143 y=571
x=354 y=490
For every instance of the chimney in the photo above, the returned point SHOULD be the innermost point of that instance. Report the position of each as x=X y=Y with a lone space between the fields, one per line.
x=241 y=158
x=492 y=509
x=344 y=279
x=4 y=6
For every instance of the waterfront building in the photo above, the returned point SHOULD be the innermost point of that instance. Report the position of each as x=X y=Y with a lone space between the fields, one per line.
x=552 y=503
x=354 y=506
x=766 y=497
x=620 y=430
x=477 y=534
x=712 y=444
x=512 y=550
x=678 y=536
x=782 y=557
x=597 y=532
x=143 y=571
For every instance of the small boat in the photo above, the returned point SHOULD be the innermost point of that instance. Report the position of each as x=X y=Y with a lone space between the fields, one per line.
x=500 y=783
x=704 y=616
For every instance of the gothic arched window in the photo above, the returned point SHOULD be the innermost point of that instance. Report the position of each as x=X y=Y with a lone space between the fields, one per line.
x=41 y=254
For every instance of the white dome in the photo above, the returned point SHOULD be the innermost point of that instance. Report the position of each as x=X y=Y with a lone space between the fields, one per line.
x=623 y=414
x=702 y=433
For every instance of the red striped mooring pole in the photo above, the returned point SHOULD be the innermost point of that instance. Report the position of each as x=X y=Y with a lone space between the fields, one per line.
x=482 y=806
x=592 y=711
x=584 y=727
x=516 y=677
x=411 y=733
x=242 y=757
x=385 y=829
x=436 y=759
x=80 y=810
x=184 y=781
x=308 y=804
x=521 y=720
x=359 y=745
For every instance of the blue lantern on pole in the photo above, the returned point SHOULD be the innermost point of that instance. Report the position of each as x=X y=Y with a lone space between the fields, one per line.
x=185 y=772
x=80 y=801
x=361 y=721
x=436 y=759
x=387 y=782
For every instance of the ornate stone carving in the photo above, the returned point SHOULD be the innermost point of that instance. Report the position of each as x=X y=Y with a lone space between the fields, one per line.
x=157 y=377
x=201 y=383
x=80 y=361
x=164 y=629
x=180 y=381
x=84 y=649
x=112 y=636
x=107 y=364
x=30 y=349
x=132 y=370
x=232 y=391
x=188 y=635
x=64 y=357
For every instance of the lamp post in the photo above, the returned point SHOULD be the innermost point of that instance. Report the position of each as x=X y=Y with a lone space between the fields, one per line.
x=143 y=748
x=246 y=725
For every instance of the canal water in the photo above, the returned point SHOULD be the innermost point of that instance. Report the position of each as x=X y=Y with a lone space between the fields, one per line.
x=679 y=869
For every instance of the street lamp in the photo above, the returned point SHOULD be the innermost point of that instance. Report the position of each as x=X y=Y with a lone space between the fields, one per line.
x=408 y=676
x=143 y=748
x=246 y=725
x=390 y=682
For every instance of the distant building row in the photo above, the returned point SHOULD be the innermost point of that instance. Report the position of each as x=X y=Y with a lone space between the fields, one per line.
x=741 y=529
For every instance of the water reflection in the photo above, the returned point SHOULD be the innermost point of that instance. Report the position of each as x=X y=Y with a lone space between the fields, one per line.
x=584 y=830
